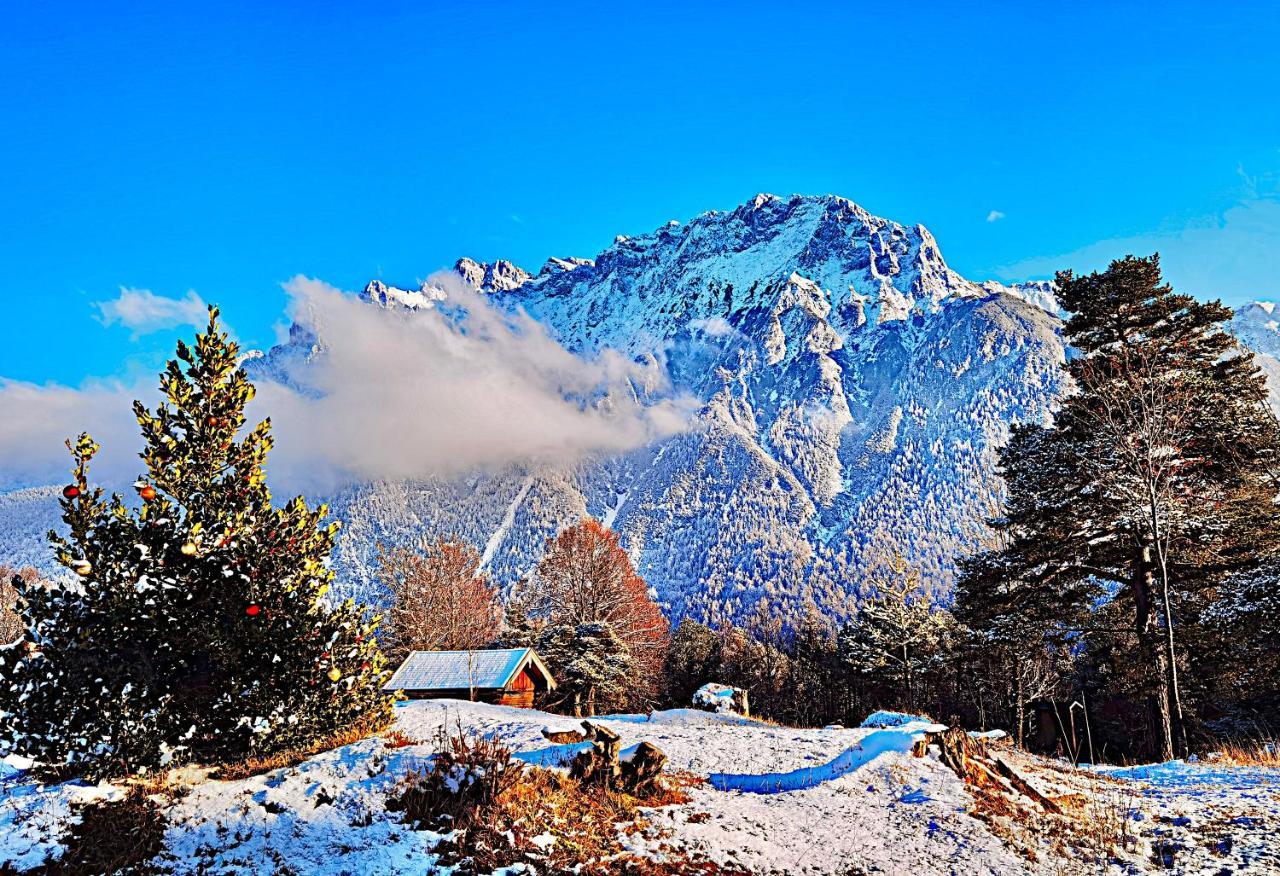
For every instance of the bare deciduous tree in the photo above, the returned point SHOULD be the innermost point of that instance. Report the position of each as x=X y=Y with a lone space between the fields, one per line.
x=585 y=577
x=10 y=620
x=442 y=599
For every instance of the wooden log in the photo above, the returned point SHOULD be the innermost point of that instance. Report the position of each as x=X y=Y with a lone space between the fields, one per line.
x=973 y=762
x=563 y=737
x=1023 y=785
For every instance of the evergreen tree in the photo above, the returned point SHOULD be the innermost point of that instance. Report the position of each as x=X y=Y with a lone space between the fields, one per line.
x=692 y=660
x=199 y=626
x=897 y=633
x=592 y=666
x=1155 y=475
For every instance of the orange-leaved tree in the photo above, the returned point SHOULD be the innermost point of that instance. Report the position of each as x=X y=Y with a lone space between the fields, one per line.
x=606 y=636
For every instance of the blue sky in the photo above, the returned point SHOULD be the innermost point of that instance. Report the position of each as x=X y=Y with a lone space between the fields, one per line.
x=226 y=150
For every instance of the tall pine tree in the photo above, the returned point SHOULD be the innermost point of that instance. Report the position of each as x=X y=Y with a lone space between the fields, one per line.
x=897 y=633
x=199 y=627
x=1154 y=480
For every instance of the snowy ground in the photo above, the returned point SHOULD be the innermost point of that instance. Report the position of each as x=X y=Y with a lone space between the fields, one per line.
x=777 y=800
x=1204 y=818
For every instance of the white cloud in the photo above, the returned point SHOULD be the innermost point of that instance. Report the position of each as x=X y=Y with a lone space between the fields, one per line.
x=714 y=326
x=1234 y=256
x=995 y=216
x=35 y=421
x=394 y=395
x=143 y=311
x=399 y=394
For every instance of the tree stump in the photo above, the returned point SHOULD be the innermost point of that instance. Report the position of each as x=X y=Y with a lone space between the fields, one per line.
x=969 y=759
x=642 y=771
x=602 y=764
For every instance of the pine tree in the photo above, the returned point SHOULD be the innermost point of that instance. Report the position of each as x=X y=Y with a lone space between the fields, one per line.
x=897 y=632
x=1155 y=475
x=199 y=627
x=592 y=665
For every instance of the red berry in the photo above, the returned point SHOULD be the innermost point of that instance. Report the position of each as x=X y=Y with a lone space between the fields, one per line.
x=252 y=609
x=70 y=491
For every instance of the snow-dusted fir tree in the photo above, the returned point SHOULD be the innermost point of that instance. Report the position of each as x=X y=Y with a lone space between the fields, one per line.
x=1158 y=475
x=897 y=632
x=593 y=667
x=198 y=628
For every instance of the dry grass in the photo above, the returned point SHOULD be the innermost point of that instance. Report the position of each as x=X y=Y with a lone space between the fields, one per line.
x=256 y=765
x=1091 y=826
x=496 y=807
x=398 y=739
x=1248 y=752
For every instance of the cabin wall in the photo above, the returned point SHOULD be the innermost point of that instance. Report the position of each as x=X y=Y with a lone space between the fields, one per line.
x=521 y=699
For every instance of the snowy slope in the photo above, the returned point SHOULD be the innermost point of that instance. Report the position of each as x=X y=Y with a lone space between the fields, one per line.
x=328 y=815
x=777 y=800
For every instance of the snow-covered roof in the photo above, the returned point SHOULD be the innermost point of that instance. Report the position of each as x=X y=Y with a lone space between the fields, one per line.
x=459 y=670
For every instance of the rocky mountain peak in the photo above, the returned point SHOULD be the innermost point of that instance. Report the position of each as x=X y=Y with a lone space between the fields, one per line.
x=489 y=277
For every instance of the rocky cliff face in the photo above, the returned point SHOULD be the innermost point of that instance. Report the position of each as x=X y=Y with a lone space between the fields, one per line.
x=853 y=387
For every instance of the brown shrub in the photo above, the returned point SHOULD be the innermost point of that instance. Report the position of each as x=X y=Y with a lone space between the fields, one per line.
x=496 y=806
x=398 y=739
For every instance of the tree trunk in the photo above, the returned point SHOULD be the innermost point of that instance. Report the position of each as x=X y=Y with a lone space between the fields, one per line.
x=1144 y=627
x=1178 y=731
x=906 y=674
x=1019 y=702
x=1175 y=692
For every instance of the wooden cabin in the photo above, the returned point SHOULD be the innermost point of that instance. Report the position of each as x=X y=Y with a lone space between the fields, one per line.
x=507 y=677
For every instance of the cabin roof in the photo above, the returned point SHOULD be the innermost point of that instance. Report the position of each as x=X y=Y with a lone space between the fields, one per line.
x=460 y=670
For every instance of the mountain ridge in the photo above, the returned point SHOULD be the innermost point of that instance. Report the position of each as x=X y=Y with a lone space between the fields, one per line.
x=853 y=390
x=821 y=341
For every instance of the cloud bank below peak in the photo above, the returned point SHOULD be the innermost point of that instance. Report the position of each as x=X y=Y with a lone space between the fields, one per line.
x=398 y=394
x=390 y=395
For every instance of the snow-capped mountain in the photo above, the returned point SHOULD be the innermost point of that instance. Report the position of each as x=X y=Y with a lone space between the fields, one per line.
x=853 y=389
x=1257 y=326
